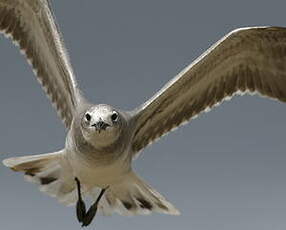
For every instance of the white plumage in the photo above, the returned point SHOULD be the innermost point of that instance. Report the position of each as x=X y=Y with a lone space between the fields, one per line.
x=100 y=147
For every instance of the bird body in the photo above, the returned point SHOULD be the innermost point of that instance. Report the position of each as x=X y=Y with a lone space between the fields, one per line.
x=103 y=165
x=102 y=140
x=105 y=160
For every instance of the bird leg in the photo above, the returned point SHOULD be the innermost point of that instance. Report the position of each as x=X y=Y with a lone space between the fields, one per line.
x=86 y=217
x=80 y=205
x=92 y=210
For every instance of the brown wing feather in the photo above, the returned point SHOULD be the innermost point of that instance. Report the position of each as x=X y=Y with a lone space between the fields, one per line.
x=31 y=25
x=246 y=60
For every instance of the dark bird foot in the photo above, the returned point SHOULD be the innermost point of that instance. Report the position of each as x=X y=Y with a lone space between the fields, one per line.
x=86 y=217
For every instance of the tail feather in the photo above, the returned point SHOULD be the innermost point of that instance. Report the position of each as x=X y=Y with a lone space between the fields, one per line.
x=30 y=164
x=130 y=196
x=133 y=196
x=46 y=171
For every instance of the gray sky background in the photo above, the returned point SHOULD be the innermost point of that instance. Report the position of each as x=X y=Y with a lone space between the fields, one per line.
x=224 y=170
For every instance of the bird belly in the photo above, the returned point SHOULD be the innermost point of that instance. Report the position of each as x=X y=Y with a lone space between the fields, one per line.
x=93 y=174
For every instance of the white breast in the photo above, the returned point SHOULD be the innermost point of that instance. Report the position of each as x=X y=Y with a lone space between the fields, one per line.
x=91 y=174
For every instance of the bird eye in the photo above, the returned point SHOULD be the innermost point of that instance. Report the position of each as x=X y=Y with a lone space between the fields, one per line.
x=114 y=116
x=87 y=117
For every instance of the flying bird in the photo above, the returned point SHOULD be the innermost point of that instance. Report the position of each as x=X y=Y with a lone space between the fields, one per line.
x=102 y=140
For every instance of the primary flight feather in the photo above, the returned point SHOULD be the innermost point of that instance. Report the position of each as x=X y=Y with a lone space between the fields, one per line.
x=102 y=141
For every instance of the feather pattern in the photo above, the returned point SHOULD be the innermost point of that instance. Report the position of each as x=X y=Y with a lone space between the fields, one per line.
x=247 y=60
x=31 y=25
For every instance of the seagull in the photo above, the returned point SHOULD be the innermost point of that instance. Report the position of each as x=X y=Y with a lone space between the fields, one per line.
x=102 y=141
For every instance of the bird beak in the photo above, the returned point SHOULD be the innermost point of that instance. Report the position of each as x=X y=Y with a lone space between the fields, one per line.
x=100 y=125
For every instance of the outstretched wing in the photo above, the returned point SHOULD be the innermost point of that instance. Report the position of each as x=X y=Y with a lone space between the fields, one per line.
x=251 y=60
x=31 y=25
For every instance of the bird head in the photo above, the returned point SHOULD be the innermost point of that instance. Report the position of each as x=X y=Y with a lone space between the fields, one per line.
x=101 y=124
